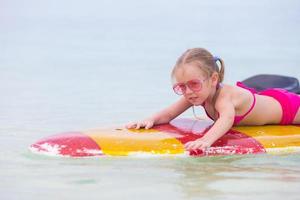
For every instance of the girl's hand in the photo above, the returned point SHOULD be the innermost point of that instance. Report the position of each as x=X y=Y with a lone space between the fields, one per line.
x=148 y=123
x=197 y=144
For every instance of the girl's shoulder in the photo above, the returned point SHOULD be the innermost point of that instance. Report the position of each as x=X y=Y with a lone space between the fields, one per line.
x=233 y=93
x=227 y=89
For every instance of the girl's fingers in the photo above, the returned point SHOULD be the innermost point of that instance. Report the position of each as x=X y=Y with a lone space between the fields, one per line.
x=148 y=125
x=194 y=145
x=131 y=125
x=138 y=126
x=188 y=145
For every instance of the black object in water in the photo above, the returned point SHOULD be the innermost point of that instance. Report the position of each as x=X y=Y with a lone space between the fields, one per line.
x=264 y=81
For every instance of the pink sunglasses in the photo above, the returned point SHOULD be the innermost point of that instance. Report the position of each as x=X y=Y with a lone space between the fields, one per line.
x=195 y=85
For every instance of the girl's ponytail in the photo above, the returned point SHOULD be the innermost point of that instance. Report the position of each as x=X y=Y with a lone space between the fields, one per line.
x=220 y=69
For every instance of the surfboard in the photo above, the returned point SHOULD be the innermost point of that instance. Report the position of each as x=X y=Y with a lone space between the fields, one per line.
x=169 y=140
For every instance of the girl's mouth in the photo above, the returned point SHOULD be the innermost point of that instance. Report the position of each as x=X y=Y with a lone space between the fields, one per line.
x=193 y=98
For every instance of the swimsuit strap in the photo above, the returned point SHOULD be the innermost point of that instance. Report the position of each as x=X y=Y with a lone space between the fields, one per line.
x=241 y=84
x=239 y=118
x=219 y=85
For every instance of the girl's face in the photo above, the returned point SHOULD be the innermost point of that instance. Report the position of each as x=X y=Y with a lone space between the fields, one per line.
x=194 y=84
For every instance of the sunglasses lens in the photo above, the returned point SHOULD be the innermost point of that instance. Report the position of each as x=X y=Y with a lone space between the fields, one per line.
x=194 y=85
x=179 y=89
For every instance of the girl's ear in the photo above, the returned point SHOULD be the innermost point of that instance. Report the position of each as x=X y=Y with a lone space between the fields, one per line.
x=215 y=79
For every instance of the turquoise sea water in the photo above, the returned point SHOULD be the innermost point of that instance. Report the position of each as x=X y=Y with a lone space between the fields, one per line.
x=74 y=65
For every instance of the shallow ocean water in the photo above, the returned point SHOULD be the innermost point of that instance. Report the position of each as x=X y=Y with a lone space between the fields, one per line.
x=73 y=65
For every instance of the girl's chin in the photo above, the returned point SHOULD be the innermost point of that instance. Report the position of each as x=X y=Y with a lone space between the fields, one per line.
x=196 y=103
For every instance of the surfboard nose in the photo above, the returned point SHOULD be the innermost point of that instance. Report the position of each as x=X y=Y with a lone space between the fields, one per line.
x=73 y=144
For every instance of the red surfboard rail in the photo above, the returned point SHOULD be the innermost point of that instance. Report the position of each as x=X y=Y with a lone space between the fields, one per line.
x=74 y=144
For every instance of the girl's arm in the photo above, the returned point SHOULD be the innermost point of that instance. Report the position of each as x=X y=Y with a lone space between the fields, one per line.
x=225 y=121
x=164 y=116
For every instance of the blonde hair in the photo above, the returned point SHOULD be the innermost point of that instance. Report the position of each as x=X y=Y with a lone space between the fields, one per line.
x=203 y=59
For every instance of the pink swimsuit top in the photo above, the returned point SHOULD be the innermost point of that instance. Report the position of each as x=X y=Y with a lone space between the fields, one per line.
x=239 y=118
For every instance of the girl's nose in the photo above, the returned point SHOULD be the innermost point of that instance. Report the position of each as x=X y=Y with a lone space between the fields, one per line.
x=188 y=90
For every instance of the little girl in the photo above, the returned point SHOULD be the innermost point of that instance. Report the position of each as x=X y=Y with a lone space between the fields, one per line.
x=198 y=77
